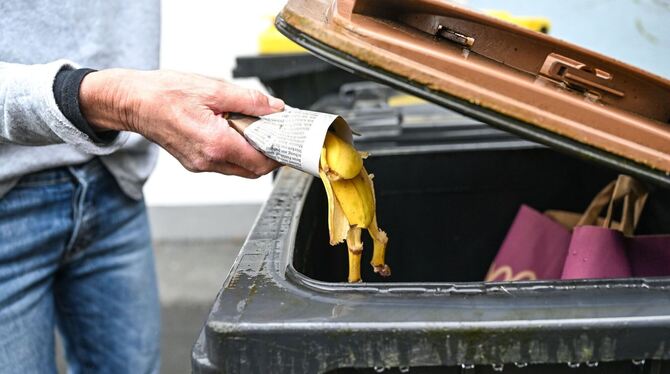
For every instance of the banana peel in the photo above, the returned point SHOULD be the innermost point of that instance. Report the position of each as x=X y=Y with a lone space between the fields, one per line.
x=351 y=205
x=343 y=161
x=338 y=225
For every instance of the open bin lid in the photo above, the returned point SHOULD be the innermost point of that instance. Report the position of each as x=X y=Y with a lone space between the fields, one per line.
x=525 y=82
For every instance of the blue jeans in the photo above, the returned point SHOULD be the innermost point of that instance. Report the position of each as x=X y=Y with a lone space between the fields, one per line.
x=76 y=255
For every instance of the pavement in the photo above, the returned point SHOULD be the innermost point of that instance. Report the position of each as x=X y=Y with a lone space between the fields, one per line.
x=190 y=275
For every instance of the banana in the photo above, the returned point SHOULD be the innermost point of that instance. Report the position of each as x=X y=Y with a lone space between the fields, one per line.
x=355 y=197
x=342 y=159
x=380 y=239
x=351 y=205
x=355 y=247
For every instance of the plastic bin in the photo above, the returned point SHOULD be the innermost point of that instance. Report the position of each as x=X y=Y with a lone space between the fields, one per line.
x=448 y=190
x=386 y=119
x=285 y=307
x=448 y=212
x=298 y=78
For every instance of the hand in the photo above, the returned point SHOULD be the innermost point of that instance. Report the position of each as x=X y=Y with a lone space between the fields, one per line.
x=182 y=113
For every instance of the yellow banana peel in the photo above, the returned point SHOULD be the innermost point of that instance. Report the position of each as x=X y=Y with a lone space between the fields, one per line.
x=355 y=197
x=351 y=204
x=342 y=160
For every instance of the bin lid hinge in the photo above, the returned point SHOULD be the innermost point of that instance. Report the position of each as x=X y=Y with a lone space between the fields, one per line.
x=454 y=36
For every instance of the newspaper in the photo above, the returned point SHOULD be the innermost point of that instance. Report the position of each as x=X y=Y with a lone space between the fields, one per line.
x=295 y=137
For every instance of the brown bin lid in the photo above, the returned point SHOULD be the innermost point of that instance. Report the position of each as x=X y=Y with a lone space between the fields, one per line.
x=526 y=82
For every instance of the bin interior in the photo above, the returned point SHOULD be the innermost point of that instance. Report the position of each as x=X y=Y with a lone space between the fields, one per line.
x=446 y=213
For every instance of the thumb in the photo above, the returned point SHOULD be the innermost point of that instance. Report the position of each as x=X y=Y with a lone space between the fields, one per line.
x=236 y=99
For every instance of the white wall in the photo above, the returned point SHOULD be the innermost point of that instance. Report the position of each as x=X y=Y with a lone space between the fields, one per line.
x=205 y=36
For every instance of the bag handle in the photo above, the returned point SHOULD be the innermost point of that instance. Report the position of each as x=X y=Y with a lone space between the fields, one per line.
x=599 y=202
x=627 y=192
x=633 y=195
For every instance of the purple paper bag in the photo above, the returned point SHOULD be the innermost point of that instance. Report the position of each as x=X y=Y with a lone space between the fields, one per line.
x=535 y=248
x=539 y=247
x=596 y=252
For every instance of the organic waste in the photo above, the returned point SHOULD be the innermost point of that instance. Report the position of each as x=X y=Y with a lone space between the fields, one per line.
x=351 y=204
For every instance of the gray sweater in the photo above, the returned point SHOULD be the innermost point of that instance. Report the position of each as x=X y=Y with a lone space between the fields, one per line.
x=37 y=39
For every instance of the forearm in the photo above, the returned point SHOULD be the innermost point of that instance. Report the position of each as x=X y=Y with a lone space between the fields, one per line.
x=66 y=90
x=180 y=112
x=107 y=102
x=29 y=114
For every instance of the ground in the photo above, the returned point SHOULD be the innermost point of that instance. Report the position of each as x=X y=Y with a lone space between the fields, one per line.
x=190 y=276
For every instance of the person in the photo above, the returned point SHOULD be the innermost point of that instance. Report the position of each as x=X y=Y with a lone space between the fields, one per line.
x=76 y=146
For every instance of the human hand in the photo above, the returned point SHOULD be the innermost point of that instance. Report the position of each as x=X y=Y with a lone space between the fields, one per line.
x=182 y=113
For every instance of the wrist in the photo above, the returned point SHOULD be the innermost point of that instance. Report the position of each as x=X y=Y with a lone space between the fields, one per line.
x=104 y=100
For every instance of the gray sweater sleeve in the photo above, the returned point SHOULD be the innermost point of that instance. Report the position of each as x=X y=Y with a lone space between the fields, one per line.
x=30 y=116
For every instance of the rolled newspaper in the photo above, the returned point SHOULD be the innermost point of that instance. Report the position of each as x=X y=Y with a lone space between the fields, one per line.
x=293 y=137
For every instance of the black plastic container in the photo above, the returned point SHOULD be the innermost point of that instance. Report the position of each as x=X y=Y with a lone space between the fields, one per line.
x=447 y=213
x=298 y=78
x=382 y=124
x=286 y=309
x=448 y=188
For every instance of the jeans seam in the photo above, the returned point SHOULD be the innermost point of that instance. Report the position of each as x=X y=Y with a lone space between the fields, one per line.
x=78 y=214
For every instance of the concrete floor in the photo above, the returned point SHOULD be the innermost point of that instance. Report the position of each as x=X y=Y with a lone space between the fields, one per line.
x=190 y=275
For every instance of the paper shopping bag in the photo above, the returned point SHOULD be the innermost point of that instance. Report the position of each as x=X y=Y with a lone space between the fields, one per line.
x=570 y=245
x=602 y=251
x=534 y=248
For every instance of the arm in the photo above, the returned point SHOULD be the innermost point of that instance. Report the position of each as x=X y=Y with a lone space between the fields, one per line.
x=182 y=113
x=29 y=114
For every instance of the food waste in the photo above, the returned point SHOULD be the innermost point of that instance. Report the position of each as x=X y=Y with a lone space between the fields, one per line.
x=351 y=204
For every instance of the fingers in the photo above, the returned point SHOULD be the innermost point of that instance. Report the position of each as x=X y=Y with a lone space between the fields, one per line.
x=232 y=169
x=232 y=98
x=241 y=153
x=222 y=149
x=223 y=167
x=193 y=129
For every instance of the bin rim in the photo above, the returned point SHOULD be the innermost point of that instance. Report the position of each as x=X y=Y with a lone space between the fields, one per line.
x=267 y=305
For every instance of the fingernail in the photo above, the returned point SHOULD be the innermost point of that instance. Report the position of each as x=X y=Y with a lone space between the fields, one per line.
x=277 y=104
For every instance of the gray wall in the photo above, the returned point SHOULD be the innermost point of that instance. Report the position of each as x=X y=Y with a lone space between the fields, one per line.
x=202 y=222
